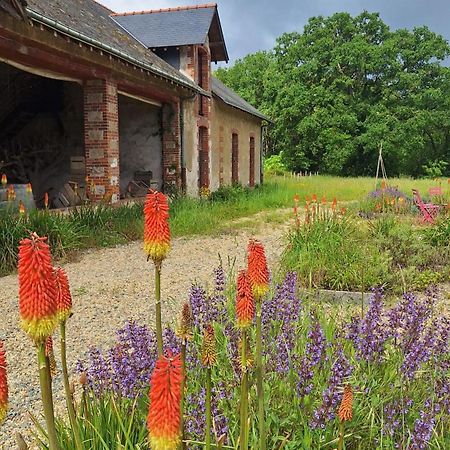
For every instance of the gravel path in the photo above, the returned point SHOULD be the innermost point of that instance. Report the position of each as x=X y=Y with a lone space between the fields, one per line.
x=110 y=286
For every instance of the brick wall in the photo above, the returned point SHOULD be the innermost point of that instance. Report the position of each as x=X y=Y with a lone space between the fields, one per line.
x=171 y=144
x=101 y=135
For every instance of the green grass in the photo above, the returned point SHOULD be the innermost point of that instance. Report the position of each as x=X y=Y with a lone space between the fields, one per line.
x=102 y=226
x=349 y=253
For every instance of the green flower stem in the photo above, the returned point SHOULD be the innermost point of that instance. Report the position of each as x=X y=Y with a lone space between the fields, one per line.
x=69 y=400
x=183 y=387
x=341 y=436
x=259 y=377
x=46 y=395
x=158 y=307
x=244 y=394
x=208 y=410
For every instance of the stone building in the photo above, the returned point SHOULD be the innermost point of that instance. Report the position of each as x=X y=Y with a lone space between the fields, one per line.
x=99 y=101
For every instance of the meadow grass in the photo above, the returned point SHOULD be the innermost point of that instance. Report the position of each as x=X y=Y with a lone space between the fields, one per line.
x=191 y=216
x=102 y=226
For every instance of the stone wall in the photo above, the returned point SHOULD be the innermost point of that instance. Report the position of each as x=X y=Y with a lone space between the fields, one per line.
x=227 y=120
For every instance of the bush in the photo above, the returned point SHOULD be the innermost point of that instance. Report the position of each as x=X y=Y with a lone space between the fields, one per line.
x=274 y=165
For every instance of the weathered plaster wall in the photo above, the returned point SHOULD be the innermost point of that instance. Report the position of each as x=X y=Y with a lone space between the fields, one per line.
x=140 y=144
x=225 y=121
x=190 y=144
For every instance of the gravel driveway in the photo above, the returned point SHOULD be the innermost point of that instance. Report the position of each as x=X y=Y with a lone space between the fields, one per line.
x=110 y=286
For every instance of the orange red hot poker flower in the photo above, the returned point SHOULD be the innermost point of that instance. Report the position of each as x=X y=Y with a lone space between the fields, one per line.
x=258 y=273
x=3 y=384
x=63 y=297
x=163 y=419
x=245 y=305
x=156 y=226
x=37 y=288
x=345 y=408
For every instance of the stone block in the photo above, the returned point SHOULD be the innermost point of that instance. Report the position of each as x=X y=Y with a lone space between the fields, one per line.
x=99 y=189
x=94 y=98
x=96 y=153
x=97 y=171
x=95 y=135
x=95 y=116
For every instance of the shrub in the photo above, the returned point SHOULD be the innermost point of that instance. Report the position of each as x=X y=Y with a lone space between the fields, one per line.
x=274 y=165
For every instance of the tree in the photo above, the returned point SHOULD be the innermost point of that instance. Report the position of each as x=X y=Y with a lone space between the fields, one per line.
x=346 y=84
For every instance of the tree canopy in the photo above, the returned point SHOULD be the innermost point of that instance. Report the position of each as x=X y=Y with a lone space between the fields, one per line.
x=345 y=85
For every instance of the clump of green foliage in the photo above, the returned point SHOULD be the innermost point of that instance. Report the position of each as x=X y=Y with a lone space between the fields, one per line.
x=348 y=253
x=274 y=165
x=80 y=228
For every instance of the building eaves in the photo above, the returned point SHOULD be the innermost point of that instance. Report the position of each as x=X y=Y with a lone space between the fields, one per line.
x=90 y=23
x=231 y=98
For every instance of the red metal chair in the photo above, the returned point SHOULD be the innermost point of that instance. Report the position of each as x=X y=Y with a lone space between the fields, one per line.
x=428 y=211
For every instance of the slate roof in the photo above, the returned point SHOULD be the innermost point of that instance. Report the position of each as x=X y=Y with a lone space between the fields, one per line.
x=230 y=97
x=93 y=20
x=172 y=27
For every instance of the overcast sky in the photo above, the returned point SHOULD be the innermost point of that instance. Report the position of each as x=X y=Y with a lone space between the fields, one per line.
x=251 y=25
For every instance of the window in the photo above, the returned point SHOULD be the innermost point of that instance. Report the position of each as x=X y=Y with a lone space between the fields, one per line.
x=203 y=158
x=251 y=177
x=234 y=158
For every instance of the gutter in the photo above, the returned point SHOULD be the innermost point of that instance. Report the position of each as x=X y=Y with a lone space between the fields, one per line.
x=107 y=48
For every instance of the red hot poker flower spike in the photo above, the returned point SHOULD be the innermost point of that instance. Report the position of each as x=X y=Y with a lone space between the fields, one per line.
x=156 y=227
x=345 y=408
x=3 y=385
x=163 y=419
x=245 y=305
x=63 y=298
x=37 y=288
x=209 y=356
x=258 y=273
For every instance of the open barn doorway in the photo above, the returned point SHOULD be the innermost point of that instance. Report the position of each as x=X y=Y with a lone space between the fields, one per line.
x=140 y=134
x=41 y=134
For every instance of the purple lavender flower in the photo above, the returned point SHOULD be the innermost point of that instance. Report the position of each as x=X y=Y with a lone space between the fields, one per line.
x=332 y=395
x=196 y=418
x=171 y=342
x=315 y=356
x=285 y=305
x=126 y=369
x=423 y=430
x=197 y=299
x=219 y=279
x=369 y=334
x=394 y=412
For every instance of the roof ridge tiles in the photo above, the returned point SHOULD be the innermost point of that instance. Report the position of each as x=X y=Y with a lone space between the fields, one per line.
x=178 y=8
